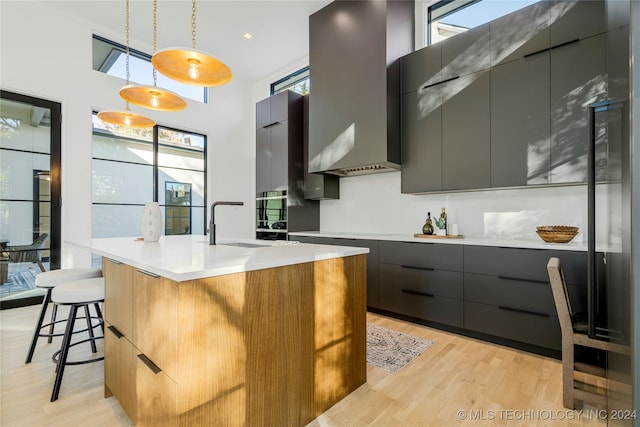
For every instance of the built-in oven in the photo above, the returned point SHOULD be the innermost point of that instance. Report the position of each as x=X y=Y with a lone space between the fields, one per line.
x=271 y=215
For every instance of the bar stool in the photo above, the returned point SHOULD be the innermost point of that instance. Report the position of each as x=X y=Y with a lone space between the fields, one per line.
x=49 y=280
x=76 y=294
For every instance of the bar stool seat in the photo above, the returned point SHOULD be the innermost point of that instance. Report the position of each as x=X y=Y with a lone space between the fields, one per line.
x=76 y=294
x=49 y=280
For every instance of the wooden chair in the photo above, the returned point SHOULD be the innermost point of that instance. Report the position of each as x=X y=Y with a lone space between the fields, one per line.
x=574 y=333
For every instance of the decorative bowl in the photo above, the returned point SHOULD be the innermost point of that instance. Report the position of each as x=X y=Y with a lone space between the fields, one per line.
x=557 y=233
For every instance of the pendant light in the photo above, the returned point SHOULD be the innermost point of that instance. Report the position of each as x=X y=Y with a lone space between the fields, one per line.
x=126 y=117
x=191 y=66
x=153 y=97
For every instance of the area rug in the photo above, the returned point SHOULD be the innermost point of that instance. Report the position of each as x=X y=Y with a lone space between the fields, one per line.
x=391 y=350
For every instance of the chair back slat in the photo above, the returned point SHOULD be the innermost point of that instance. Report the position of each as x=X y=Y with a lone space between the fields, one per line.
x=560 y=295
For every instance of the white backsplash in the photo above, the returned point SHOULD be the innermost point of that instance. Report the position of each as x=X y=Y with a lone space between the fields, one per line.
x=374 y=204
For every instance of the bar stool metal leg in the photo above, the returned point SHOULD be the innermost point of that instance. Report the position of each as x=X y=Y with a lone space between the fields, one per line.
x=36 y=332
x=64 y=352
x=54 y=314
x=87 y=316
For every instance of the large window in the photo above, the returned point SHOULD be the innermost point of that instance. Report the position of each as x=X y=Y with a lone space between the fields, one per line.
x=134 y=166
x=110 y=57
x=447 y=18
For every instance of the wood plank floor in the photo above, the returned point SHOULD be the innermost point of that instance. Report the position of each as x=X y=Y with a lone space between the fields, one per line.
x=493 y=384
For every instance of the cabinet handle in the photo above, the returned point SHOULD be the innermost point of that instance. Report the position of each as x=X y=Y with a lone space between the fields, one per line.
x=113 y=261
x=148 y=273
x=422 y=294
x=439 y=83
x=115 y=332
x=154 y=368
x=411 y=267
x=519 y=310
x=520 y=279
x=271 y=124
x=553 y=47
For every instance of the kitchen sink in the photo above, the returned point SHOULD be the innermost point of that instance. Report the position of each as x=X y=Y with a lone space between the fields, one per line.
x=244 y=245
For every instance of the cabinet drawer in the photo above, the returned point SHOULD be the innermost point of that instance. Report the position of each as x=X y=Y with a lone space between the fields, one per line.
x=524 y=295
x=527 y=264
x=543 y=331
x=424 y=255
x=118 y=295
x=120 y=369
x=155 y=330
x=432 y=282
x=157 y=395
x=422 y=305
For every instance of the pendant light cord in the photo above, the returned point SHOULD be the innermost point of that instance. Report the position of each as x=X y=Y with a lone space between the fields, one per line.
x=193 y=24
x=155 y=38
x=126 y=35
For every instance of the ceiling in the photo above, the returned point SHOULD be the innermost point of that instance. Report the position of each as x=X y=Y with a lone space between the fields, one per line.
x=279 y=28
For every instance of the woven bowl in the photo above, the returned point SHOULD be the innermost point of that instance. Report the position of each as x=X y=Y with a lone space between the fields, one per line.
x=557 y=233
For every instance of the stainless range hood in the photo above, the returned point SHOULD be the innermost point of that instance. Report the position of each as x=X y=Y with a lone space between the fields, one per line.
x=354 y=113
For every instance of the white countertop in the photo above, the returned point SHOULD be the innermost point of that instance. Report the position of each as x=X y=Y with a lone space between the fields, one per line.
x=182 y=258
x=531 y=244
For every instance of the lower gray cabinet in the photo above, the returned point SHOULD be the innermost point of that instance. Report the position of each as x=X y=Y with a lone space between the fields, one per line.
x=422 y=280
x=507 y=292
x=373 y=297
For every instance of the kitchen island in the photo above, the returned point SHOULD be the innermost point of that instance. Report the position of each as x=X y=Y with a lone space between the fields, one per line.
x=232 y=334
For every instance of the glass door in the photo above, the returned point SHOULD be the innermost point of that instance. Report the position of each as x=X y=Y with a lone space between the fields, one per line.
x=30 y=132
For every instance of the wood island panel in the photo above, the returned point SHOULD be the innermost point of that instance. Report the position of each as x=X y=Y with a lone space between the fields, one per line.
x=276 y=346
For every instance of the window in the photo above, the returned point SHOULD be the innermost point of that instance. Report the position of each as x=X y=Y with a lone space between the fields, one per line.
x=297 y=82
x=134 y=166
x=447 y=18
x=111 y=58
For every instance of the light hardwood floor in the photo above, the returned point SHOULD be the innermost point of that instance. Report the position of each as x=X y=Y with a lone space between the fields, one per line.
x=454 y=378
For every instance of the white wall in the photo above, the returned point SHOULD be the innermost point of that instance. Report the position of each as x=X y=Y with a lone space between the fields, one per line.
x=46 y=53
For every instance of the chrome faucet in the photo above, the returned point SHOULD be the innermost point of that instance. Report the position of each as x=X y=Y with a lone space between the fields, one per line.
x=212 y=224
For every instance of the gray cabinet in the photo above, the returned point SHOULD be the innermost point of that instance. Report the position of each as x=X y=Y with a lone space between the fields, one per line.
x=422 y=280
x=466 y=155
x=526 y=124
x=520 y=122
x=278 y=142
x=466 y=53
x=521 y=33
x=373 y=294
x=507 y=293
x=578 y=77
x=421 y=68
x=422 y=141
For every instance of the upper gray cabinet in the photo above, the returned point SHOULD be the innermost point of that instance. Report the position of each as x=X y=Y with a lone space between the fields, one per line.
x=279 y=162
x=520 y=122
x=576 y=20
x=509 y=99
x=422 y=140
x=466 y=53
x=466 y=132
x=421 y=69
x=520 y=33
x=578 y=78
x=354 y=114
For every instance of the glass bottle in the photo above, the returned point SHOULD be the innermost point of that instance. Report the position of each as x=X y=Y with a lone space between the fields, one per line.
x=427 y=228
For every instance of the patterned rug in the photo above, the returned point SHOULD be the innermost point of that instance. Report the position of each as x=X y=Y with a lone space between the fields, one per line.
x=391 y=350
x=19 y=281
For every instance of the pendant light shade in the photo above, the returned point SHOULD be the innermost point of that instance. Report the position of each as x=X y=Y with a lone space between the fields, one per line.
x=125 y=118
x=152 y=97
x=191 y=66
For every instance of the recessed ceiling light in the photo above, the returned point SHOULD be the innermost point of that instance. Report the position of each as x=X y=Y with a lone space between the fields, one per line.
x=248 y=36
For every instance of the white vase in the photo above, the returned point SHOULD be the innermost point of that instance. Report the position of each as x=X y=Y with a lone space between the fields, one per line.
x=441 y=231
x=151 y=223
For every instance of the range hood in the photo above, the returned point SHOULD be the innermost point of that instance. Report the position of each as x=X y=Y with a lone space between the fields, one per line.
x=354 y=107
